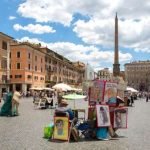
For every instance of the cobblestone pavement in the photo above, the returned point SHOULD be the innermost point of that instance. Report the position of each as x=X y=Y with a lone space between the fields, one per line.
x=25 y=132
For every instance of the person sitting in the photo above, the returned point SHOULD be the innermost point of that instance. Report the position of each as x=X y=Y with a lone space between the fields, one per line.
x=63 y=108
x=49 y=101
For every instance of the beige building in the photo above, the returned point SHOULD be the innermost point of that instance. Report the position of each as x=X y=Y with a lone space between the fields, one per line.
x=4 y=62
x=59 y=69
x=138 y=75
x=104 y=74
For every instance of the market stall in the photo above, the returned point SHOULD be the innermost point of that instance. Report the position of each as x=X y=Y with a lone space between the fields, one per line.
x=106 y=112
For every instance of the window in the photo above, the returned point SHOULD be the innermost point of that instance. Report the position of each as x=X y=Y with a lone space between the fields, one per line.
x=18 y=76
x=4 y=77
x=4 y=45
x=45 y=59
x=10 y=55
x=35 y=77
x=35 y=58
x=29 y=76
x=29 y=55
x=41 y=60
x=41 y=69
x=10 y=76
x=18 y=65
x=28 y=66
x=18 y=54
x=3 y=63
x=35 y=68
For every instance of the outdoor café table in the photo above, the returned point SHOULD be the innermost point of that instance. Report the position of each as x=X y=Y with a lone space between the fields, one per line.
x=77 y=111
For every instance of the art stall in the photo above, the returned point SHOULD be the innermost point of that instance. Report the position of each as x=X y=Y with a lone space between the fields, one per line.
x=107 y=109
x=106 y=114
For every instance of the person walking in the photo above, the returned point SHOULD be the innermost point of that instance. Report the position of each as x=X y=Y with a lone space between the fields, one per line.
x=147 y=97
x=15 y=102
x=7 y=106
x=132 y=100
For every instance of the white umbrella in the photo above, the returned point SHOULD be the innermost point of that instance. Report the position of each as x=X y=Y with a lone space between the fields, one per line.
x=74 y=97
x=132 y=89
x=75 y=89
x=36 y=88
x=62 y=86
x=47 y=89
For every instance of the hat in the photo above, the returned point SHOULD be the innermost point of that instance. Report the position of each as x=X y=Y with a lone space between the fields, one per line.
x=63 y=101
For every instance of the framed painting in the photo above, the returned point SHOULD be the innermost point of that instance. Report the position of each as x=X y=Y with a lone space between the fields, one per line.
x=110 y=93
x=120 y=117
x=96 y=92
x=103 y=116
x=61 y=128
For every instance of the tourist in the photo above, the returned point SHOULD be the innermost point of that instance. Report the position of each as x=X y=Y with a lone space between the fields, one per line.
x=7 y=106
x=15 y=102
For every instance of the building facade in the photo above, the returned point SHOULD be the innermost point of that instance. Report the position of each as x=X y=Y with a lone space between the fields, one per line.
x=137 y=75
x=104 y=74
x=35 y=66
x=27 y=66
x=89 y=73
x=59 y=69
x=4 y=62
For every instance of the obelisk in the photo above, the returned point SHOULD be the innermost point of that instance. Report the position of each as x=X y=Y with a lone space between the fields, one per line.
x=116 y=65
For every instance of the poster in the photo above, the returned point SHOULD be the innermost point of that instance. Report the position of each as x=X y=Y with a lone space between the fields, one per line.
x=120 y=90
x=61 y=128
x=103 y=116
x=120 y=117
x=110 y=93
x=96 y=92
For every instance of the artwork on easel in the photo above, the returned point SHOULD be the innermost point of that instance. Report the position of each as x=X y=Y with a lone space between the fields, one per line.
x=103 y=116
x=61 y=128
x=96 y=92
x=120 y=117
x=110 y=93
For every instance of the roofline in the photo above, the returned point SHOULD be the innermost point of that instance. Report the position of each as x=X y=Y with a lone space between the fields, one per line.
x=6 y=35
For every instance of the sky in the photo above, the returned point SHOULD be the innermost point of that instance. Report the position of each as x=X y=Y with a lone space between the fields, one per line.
x=81 y=30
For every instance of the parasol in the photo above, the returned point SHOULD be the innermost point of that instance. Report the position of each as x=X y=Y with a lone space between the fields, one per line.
x=62 y=86
x=74 y=97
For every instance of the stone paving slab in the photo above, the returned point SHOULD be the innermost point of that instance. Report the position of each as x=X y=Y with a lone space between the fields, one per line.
x=25 y=132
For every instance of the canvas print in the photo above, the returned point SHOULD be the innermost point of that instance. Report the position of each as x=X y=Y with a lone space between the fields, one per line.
x=96 y=92
x=120 y=117
x=120 y=90
x=103 y=116
x=110 y=93
x=61 y=126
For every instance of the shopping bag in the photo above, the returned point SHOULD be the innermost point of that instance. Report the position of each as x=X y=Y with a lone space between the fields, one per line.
x=48 y=131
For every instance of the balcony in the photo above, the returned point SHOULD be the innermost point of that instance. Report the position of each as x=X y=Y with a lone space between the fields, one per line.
x=4 y=81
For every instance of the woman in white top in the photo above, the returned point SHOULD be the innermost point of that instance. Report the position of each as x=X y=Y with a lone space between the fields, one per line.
x=15 y=102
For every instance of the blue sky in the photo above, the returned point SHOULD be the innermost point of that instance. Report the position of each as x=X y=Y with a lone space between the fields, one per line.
x=81 y=30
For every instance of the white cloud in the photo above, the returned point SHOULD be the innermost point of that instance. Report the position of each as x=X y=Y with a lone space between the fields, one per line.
x=62 y=11
x=46 y=10
x=87 y=54
x=12 y=17
x=132 y=33
x=133 y=24
x=37 y=28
